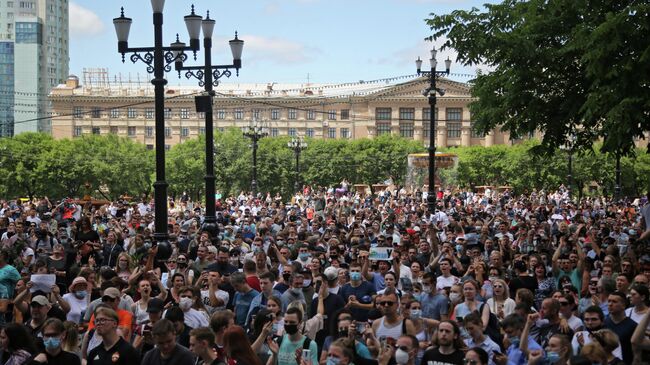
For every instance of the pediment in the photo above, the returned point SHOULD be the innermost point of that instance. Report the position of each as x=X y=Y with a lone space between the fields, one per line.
x=414 y=88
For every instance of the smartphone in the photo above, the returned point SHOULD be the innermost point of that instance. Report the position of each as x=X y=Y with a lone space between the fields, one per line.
x=391 y=341
x=360 y=327
x=306 y=355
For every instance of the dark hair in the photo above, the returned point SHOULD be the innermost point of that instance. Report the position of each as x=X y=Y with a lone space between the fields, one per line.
x=622 y=296
x=482 y=354
x=295 y=311
x=220 y=320
x=473 y=318
x=54 y=323
x=203 y=334
x=238 y=347
x=596 y=309
x=643 y=291
x=267 y=275
x=163 y=327
x=262 y=317
x=513 y=321
x=175 y=314
x=19 y=338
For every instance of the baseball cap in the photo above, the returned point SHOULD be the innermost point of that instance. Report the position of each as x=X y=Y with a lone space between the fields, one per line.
x=331 y=273
x=40 y=300
x=155 y=305
x=112 y=293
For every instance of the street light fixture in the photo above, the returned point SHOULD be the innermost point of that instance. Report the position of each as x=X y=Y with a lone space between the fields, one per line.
x=255 y=132
x=297 y=144
x=208 y=76
x=158 y=60
x=432 y=90
x=568 y=147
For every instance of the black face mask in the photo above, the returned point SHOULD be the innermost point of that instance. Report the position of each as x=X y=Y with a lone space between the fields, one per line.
x=590 y=330
x=286 y=277
x=291 y=329
x=182 y=265
x=343 y=333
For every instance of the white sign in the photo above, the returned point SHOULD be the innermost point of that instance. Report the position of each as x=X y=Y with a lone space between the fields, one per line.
x=381 y=253
x=43 y=283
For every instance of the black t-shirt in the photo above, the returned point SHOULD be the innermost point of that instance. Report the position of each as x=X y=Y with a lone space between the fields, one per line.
x=180 y=355
x=120 y=353
x=624 y=330
x=63 y=358
x=518 y=282
x=455 y=358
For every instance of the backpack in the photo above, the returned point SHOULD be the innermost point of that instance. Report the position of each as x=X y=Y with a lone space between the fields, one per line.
x=492 y=329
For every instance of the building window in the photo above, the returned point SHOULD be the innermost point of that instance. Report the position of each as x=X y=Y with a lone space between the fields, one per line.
x=406 y=129
x=96 y=112
x=148 y=131
x=150 y=147
x=239 y=113
x=310 y=132
x=168 y=132
x=345 y=114
x=77 y=131
x=475 y=133
x=185 y=132
x=406 y=113
x=383 y=128
x=131 y=131
x=201 y=130
x=311 y=115
x=221 y=113
x=345 y=133
x=78 y=112
x=454 y=114
x=168 y=113
x=331 y=114
x=132 y=113
x=149 y=113
x=185 y=113
x=275 y=114
x=115 y=113
x=257 y=114
x=292 y=132
x=200 y=115
x=274 y=132
x=96 y=130
x=426 y=129
x=293 y=114
x=383 y=113
x=331 y=132
x=453 y=129
x=114 y=130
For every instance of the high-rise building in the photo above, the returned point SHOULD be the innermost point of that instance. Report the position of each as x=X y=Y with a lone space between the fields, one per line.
x=34 y=58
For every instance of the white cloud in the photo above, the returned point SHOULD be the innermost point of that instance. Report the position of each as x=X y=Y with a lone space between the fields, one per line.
x=271 y=8
x=84 y=22
x=277 y=50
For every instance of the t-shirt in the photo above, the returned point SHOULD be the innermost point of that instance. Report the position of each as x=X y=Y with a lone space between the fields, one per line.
x=363 y=293
x=288 y=351
x=242 y=303
x=446 y=282
x=63 y=358
x=77 y=306
x=180 y=355
x=120 y=353
x=434 y=355
x=624 y=330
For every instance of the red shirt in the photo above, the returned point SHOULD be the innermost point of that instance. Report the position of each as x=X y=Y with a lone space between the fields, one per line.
x=254 y=282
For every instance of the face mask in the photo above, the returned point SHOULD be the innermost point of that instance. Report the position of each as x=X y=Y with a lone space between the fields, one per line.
x=355 y=276
x=515 y=341
x=303 y=256
x=492 y=278
x=416 y=314
x=401 y=357
x=123 y=265
x=426 y=289
x=459 y=248
x=552 y=357
x=182 y=265
x=454 y=297
x=343 y=333
x=333 y=360
x=52 y=343
x=291 y=329
x=80 y=294
x=306 y=283
x=185 y=304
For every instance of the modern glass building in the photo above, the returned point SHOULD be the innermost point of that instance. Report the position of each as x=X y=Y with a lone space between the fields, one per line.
x=34 y=58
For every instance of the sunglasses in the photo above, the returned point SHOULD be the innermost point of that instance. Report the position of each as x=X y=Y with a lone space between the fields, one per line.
x=386 y=303
x=564 y=303
x=469 y=362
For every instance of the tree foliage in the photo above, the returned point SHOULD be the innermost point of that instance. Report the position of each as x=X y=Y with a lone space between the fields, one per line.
x=559 y=67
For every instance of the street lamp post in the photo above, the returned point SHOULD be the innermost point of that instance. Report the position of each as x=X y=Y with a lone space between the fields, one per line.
x=255 y=132
x=208 y=76
x=431 y=91
x=158 y=60
x=297 y=144
x=617 y=187
x=569 y=148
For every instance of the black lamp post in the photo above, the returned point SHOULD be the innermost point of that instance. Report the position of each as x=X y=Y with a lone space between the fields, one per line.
x=297 y=144
x=255 y=132
x=158 y=60
x=431 y=91
x=617 y=187
x=569 y=148
x=208 y=76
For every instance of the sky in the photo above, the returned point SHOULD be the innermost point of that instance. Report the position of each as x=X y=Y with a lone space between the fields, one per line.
x=286 y=41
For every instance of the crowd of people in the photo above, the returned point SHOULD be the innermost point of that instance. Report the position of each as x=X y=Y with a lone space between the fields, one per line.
x=330 y=277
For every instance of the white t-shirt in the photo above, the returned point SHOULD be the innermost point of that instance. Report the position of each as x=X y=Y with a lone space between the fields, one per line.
x=76 y=307
x=196 y=319
x=443 y=282
x=221 y=294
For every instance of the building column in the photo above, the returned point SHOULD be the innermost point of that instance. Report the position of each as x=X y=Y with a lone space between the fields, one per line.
x=418 y=133
x=441 y=137
x=465 y=133
x=489 y=139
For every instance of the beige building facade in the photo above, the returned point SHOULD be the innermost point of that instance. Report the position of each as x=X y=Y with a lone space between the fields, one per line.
x=346 y=111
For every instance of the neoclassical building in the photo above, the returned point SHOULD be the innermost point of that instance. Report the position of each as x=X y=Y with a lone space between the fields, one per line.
x=351 y=111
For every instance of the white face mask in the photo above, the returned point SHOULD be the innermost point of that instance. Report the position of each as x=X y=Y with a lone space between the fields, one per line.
x=454 y=297
x=123 y=265
x=185 y=304
x=401 y=357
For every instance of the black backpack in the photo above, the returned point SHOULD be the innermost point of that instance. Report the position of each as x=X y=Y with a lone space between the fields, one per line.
x=493 y=328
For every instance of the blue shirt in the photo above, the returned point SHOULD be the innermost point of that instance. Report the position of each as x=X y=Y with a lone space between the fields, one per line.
x=516 y=356
x=434 y=306
x=488 y=345
x=242 y=304
x=363 y=293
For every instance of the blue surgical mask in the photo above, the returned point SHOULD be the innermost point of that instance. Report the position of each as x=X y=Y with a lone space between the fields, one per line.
x=333 y=360
x=552 y=357
x=80 y=294
x=355 y=276
x=52 y=343
x=416 y=314
x=303 y=256
x=459 y=248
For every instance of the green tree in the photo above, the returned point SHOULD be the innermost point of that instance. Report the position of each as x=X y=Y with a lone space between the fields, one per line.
x=558 y=67
x=185 y=168
x=20 y=161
